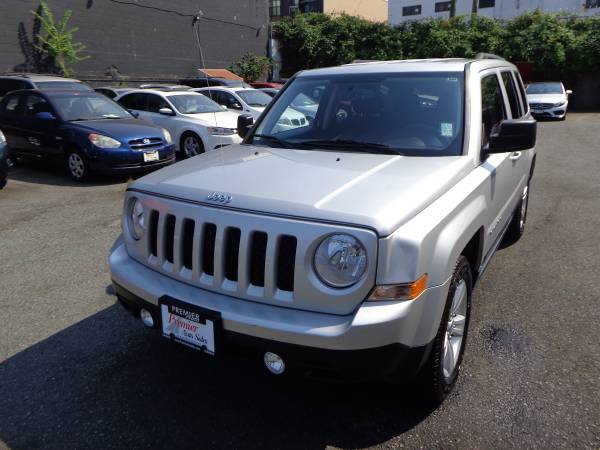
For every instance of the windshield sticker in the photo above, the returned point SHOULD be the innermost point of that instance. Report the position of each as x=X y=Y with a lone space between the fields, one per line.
x=446 y=130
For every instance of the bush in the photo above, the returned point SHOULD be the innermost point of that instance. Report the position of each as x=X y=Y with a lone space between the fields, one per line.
x=558 y=45
x=251 y=67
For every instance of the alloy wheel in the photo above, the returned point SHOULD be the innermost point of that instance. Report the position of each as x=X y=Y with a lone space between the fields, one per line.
x=455 y=329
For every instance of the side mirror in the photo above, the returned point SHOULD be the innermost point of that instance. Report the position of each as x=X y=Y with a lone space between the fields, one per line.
x=224 y=107
x=44 y=116
x=569 y=92
x=236 y=105
x=512 y=136
x=166 y=111
x=134 y=113
x=244 y=124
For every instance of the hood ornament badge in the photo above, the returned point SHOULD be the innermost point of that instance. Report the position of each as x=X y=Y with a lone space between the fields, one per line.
x=218 y=197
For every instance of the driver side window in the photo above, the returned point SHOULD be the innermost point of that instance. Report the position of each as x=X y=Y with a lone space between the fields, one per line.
x=492 y=106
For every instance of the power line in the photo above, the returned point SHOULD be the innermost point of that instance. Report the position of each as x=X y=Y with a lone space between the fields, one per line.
x=180 y=14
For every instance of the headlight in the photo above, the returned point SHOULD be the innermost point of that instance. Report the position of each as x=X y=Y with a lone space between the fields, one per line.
x=340 y=260
x=135 y=219
x=103 y=141
x=2 y=137
x=168 y=138
x=219 y=131
x=558 y=104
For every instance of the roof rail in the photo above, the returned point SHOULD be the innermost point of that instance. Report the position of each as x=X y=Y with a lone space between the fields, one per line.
x=482 y=55
x=360 y=61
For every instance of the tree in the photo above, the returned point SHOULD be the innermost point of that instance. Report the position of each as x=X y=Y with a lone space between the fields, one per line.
x=57 y=41
x=251 y=67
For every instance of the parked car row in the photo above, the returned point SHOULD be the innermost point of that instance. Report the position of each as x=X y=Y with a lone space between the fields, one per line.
x=119 y=129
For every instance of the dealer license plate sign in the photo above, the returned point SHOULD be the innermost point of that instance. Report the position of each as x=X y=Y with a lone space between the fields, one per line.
x=150 y=156
x=190 y=326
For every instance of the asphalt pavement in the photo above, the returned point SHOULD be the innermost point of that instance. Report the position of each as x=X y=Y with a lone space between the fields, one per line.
x=76 y=371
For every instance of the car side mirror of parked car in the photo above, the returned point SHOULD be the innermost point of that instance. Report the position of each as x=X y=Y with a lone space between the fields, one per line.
x=569 y=92
x=134 y=113
x=513 y=135
x=244 y=123
x=166 y=111
x=44 y=115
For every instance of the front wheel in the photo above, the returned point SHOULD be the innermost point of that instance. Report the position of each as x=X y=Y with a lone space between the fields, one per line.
x=77 y=166
x=191 y=145
x=441 y=370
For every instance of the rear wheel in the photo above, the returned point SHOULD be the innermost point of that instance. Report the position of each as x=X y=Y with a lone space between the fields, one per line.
x=191 y=145
x=77 y=166
x=441 y=370
x=517 y=225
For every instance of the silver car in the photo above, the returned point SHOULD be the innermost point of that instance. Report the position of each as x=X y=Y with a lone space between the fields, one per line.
x=548 y=99
x=350 y=243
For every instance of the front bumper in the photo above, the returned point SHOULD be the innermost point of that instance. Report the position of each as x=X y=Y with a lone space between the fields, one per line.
x=391 y=333
x=558 y=112
x=129 y=161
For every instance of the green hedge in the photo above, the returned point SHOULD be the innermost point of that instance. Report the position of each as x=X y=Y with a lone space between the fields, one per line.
x=560 y=46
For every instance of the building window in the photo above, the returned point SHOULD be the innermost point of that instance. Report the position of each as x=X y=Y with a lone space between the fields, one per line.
x=592 y=3
x=487 y=3
x=411 y=10
x=274 y=8
x=442 y=6
x=308 y=6
x=294 y=6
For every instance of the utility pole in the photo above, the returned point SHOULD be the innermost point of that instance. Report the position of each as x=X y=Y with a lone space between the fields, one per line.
x=474 y=7
x=453 y=8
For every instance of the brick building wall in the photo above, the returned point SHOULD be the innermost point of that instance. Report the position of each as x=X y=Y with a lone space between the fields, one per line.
x=141 y=41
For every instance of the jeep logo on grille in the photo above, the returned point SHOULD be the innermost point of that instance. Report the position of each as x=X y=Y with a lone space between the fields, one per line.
x=219 y=198
x=146 y=141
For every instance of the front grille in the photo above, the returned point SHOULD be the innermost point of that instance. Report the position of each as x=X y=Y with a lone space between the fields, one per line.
x=144 y=143
x=221 y=256
x=540 y=105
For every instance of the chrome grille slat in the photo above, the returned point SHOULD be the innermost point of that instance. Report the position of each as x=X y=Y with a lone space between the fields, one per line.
x=219 y=265
x=160 y=256
x=177 y=249
x=197 y=251
x=244 y=262
x=270 y=267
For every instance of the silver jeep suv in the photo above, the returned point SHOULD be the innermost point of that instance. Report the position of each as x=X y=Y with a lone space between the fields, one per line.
x=350 y=241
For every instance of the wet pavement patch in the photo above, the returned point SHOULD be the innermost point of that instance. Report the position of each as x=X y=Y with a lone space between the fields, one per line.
x=504 y=339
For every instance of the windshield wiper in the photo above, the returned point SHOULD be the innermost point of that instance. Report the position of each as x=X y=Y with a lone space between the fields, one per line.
x=350 y=144
x=275 y=139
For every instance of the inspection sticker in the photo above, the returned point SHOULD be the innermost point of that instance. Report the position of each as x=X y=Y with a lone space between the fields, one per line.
x=446 y=130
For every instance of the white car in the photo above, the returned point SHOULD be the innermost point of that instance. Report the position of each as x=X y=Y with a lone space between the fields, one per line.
x=196 y=123
x=238 y=99
x=548 y=99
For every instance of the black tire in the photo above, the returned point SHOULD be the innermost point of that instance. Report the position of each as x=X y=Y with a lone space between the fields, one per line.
x=516 y=229
x=189 y=150
x=436 y=384
x=77 y=165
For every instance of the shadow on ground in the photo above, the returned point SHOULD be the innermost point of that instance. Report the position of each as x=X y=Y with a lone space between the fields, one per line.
x=55 y=174
x=107 y=382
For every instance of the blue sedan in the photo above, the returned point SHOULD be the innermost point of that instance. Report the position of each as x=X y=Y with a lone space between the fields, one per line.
x=90 y=132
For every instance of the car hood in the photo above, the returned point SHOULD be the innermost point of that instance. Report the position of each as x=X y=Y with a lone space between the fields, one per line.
x=225 y=119
x=121 y=129
x=546 y=98
x=377 y=191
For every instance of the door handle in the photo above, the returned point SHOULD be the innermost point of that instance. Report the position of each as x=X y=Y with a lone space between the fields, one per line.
x=515 y=155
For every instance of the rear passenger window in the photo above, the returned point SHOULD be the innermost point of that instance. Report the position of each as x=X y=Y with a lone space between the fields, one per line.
x=511 y=93
x=519 y=83
x=134 y=101
x=492 y=106
x=10 y=104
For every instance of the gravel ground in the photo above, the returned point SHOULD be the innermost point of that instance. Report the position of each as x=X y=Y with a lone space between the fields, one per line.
x=77 y=372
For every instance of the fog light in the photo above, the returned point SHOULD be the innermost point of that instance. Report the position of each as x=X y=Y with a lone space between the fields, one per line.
x=274 y=363
x=147 y=318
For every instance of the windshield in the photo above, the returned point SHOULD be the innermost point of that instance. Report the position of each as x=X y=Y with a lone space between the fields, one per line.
x=544 y=88
x=254 y=97
x=416 y=114
x=71 y=85
x=194 y=104
x=87 y=107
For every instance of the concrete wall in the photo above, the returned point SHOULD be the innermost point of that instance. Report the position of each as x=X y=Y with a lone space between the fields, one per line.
x=139 y=41
x=375 y=10
x=503 y=9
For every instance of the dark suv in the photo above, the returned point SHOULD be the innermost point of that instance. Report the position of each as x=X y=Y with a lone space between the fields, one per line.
x=90 y=132
x=17 y=81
